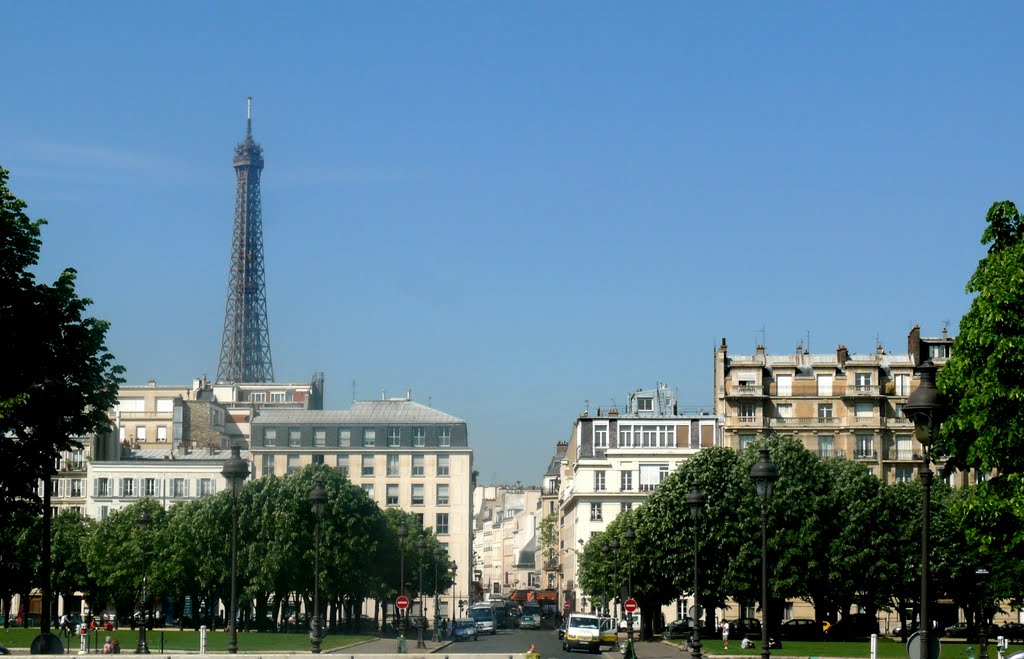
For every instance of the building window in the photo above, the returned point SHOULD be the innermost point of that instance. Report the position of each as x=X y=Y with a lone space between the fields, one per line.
x=368 y=488
x=76 y=487
x=369 y=436
x=599 y=481
x=627 y=481
x=179 y=488
x=391 y=498
x=269 y=436
x=442 y=494
x=417 y=465
x=367 y=469
x=746 y=439
x=651 y=475
x=161 y=433
x=205 y=487
x=785 y=410
x=645 y=404
x=268 y=465
x=419 y=519
x=258 y=397
x=940 y=351
x=127 y=487
x=294 y=436
x=904 y=447
x=419 y=436
x=627 y=506
x=865 y=445
x=444 y=436
x=824 y=385
x=394 y=436
x=277 y=397
x=600 y=436
x=864 y=410
x=595 y=513
x=747 y=411
x=140 y=433
x=104 y=511
x=319 y=437
x=343 y=464
x=443 y=462
x=862 y=381
x=784 y=385
x=318 y=458
x=441 y=524
x=418 y=494
x=825 y=444
x=293 y=464
x=625 y=437
x=392 y=465
x=824 y=412
x=344 y=437
x=904 y=473
x=902 y=385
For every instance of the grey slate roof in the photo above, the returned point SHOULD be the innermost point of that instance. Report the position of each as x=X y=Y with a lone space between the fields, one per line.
x=363 y=411
x=201 y=455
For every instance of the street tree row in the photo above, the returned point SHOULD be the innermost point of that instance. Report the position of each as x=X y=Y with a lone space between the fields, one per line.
x=186 y=551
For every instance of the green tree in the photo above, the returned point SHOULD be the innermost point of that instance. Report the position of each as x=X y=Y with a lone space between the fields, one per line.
x=983 y=382
x=59 y=380
x=70 y=535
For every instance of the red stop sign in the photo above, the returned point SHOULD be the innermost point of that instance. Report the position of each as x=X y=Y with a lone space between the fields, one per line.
x=566 y=606
x=402 y=602
x=629 y=605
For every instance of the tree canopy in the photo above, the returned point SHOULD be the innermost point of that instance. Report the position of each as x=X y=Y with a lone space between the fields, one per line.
x=59 y=379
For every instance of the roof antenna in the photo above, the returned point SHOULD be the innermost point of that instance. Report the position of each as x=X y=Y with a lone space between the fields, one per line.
x=248 y=120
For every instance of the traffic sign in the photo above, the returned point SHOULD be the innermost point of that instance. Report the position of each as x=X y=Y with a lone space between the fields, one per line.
x=630 y=605
x=566 y=606
x=402 y=602
x=914 y=646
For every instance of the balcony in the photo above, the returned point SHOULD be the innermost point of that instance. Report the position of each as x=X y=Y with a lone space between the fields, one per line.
x=746 y=391
x=831 y=453
x=862 y=391
x=899 y=422
x=138 y=416
x=902 y=455
x=815 y=421
x=865 y=454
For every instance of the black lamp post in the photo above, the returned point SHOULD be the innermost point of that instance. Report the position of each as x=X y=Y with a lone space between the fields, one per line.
x=235 y=471
x=924 y=408
x=629 y=536
x=695 y=500
x=403 y=534
x=764 y=473
x=144 y=520
x=437 y=592
x=317 y=499
x=615 y=546
x=982 y=575
x=421 y=545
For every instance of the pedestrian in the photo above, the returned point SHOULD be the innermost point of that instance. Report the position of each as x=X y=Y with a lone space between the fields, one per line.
x=108 y=647
x=117 y=646
x=725 y=635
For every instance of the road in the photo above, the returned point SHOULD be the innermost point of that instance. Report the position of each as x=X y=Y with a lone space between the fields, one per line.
x=548 y=646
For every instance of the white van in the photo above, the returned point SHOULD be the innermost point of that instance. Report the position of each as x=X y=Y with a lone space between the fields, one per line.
x=483 y=615
x=582 y=632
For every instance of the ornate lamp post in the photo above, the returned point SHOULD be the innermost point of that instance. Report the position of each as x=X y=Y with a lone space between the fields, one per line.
x=144 y=521
x=317 y=499
x=982 y=575
x=764 y=474
x=421 y=546
x=235 y=471
x=924 y=408
x=403 y=534
x=615 y=546
x=695 y=500
x=437 y=592
x=629 y=536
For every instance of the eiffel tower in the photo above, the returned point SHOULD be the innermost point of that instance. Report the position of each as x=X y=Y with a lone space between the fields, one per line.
x=245 y=345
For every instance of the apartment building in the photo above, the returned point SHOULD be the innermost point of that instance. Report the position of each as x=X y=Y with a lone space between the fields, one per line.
x=506 y=521
x=402 y=453
x=836 y=404
x=614 y=460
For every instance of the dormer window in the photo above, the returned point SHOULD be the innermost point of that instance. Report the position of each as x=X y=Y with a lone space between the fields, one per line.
x=644 y=404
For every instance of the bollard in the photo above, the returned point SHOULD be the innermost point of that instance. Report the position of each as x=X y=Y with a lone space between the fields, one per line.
x=874 y=646
x=202 y=639
x=83 y=643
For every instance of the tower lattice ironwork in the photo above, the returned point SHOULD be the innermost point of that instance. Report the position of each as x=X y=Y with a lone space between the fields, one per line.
x=245 y=345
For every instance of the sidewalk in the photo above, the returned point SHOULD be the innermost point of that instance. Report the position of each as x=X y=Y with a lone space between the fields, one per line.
x=389 y=646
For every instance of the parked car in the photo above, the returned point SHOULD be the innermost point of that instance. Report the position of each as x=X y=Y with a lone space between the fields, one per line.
x=855 y=626
x=529 y=620
x=609 y=635
x=802 y=629
x=745 y=628
x=681 y=628
x=465 y=630
x=957 y=630
x=1012 y=631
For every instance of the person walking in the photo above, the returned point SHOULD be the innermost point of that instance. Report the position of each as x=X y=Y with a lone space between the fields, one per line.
x=108 y=647
x=725 y=635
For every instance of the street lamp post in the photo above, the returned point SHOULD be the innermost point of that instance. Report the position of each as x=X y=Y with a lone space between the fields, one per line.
x=925 y=409
x=403 y=534
x=235 y=471
x=982 y=575
x=764 y=474
x=629 y=536
x=317 y=499
x=695 y=500
x=421 y=545
x=144 y=520
x=437 y=592
x=615 y=546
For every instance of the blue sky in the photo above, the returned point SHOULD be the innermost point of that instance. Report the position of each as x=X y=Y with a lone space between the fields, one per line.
x=513 y=208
